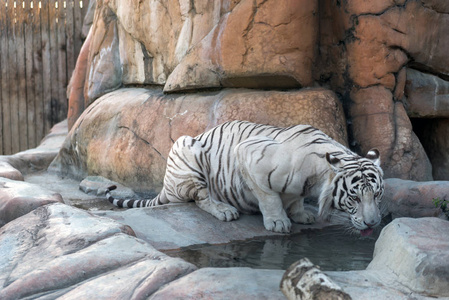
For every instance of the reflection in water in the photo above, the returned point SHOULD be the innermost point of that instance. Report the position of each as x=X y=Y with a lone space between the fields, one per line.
x=330 y=248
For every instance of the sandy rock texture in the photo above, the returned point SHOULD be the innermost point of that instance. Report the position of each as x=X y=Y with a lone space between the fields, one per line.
x=75 y=90
x=203 y=44
x=126 y=135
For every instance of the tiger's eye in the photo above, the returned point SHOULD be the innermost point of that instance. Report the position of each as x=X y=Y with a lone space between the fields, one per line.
x=356 y=199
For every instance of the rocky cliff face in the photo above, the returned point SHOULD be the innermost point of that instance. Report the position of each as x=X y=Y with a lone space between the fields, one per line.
x=385 y=60
x=370 y=52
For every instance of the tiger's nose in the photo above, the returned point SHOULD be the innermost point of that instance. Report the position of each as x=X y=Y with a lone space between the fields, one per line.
x=373 y=224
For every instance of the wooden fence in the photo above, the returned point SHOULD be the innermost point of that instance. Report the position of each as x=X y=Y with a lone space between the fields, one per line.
x=39 y=44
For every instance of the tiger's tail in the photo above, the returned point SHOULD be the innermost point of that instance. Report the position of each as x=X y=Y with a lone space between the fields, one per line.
x=160 y=199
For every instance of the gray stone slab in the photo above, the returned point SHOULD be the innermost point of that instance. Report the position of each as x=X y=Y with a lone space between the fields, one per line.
x=180 y=225
x=225 y=283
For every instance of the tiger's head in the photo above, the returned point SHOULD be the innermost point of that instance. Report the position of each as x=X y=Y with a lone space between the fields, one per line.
x=356 y=189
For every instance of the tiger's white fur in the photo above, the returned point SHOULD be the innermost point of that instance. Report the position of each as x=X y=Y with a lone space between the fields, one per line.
x=245 y=167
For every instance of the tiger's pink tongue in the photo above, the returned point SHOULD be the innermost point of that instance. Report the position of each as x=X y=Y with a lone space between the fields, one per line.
x=366 y=232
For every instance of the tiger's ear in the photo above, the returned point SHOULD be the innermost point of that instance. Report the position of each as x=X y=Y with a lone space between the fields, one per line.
x=374 y=156
x=334 y=162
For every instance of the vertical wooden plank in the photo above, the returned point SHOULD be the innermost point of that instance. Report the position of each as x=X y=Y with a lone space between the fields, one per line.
x=13 y=95
x=70 y=36
x=54 y=54
x=79 y=13
x=46 y=63
x=4 y=90
x=1 y=99
x=61 y=103
x=38 y=70
x=21 y=76
x=29 y=68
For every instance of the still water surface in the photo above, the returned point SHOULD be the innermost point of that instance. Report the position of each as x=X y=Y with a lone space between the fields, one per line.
x=330 y=248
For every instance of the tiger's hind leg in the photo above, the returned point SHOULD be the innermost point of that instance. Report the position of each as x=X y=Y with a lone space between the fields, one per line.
x=219 y=210
x=185 y=179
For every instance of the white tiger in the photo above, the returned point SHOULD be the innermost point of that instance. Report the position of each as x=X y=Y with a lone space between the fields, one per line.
x=245 y=167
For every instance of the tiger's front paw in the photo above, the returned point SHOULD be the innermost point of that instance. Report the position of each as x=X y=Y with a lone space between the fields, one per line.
x=282 y=225
x=226 y=213
x=303 y=217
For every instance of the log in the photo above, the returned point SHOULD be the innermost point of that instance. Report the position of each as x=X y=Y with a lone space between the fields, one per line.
x=303 y=281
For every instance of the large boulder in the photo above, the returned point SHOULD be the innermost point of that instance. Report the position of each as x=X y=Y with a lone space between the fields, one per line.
x=410 y=261
x=75 y=90
x=380 y=122
x=126 y=135
x=415 y=251
x=58 y=250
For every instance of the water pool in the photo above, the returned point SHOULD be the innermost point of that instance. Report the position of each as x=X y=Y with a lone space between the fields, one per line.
x=331 y=248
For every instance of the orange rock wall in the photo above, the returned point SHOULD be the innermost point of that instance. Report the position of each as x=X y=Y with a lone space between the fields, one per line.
x=365 y=51
x=362 y=50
